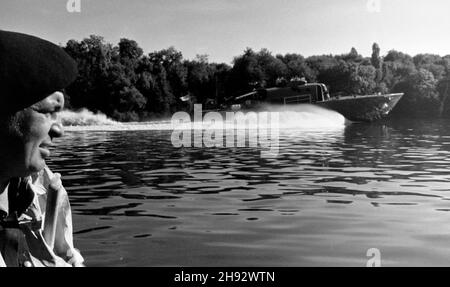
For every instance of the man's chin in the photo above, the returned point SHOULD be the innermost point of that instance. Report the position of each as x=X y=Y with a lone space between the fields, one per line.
x=34 y=168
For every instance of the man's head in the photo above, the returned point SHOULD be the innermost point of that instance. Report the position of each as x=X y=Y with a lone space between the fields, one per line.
x=32 y=74
x=27 y=136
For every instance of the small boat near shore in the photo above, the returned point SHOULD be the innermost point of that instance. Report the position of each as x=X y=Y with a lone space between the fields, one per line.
x=366 y=108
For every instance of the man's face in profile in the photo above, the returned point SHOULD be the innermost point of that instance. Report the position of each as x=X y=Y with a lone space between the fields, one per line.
x=25 y=146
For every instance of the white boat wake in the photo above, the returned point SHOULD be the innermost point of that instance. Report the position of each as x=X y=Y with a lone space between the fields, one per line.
x=300 y=117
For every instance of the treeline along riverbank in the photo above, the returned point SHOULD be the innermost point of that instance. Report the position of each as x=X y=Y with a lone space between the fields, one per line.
x=129 y=85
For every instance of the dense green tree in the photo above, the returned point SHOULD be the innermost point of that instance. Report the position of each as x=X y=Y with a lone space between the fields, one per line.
x=443 y=88
x=206 y=81
x=397 y=66
x=376 y=59
x=129 y=50
x=153 y=84
x=352 y=56
x=245 y=72
x=94 y=58
x=349 y=78
x=297 y=66
x=320 y=64
x=376 y=62
x=363 y=80
x=433 y=63
x=201 y=79
x=271 y=67
x=421 y=98
x=169 y=63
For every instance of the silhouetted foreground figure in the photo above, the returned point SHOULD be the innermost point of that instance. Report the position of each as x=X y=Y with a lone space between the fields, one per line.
x=35 y=215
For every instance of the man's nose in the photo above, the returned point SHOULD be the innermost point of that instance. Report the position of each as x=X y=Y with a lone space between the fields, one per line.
x=56 y=130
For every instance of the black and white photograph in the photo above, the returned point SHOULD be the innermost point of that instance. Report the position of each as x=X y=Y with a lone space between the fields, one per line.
x=224 y=133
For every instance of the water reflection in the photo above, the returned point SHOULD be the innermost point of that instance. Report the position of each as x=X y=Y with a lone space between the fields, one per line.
x=330 y=195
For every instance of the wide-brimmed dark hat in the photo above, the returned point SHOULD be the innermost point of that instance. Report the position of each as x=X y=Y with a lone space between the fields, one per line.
x=31 y=69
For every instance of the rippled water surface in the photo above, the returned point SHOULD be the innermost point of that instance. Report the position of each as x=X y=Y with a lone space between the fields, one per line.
x=329 y=196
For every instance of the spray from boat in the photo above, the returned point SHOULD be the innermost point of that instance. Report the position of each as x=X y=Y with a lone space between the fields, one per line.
x=299 y=117
x=85 y=118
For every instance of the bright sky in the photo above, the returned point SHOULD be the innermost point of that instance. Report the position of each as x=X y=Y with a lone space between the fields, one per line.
x=223 y=29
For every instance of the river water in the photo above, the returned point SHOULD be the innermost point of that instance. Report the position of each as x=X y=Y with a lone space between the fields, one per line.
x=332 y=193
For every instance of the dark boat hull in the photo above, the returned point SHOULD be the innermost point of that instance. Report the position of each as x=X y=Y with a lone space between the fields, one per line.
x=354 y=108
x=363 y=108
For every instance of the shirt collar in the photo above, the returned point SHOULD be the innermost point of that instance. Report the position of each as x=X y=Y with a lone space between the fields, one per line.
x=25 y=198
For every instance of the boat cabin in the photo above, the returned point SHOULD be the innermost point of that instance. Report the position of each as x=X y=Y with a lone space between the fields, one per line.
x=299 y=94
x=294 y=93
